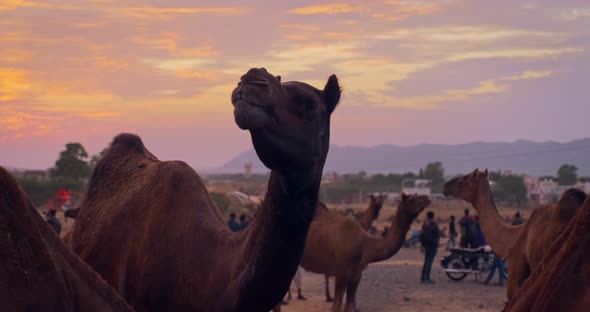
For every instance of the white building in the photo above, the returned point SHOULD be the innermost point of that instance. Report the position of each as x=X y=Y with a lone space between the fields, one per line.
x=548 y=191
x=417 y=186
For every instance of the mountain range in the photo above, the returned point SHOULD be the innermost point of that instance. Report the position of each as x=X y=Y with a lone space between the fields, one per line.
x=522 y=156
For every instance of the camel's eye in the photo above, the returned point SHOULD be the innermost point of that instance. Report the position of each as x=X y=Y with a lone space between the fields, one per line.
x=308 y=103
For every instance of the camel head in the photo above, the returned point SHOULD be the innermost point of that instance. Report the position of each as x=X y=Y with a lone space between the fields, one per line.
x=289 y=122
x=376 y=202
x=467 y=186
x=413 y=205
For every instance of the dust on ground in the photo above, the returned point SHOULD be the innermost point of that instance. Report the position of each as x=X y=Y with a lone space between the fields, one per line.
x=393 y=285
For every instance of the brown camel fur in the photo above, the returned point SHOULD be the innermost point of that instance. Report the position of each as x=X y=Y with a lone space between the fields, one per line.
x=561 y=282
x=150 y=228
x=72 y=213
x=338 y=246
x=371 y=214
x=365 y=219
x=523 y=245
x=37 y=271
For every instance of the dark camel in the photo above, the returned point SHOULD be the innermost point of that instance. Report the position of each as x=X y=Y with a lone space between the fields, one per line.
x=365 y=219
x=523 y=245
x=37 y=271
x=338 y=246
x=561 y=282
x=150 y=228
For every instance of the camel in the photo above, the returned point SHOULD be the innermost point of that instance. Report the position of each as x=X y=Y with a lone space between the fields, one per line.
x=37 y=270
x=370 y=214
x=522 y=245
x=365 y=219
x=152 y=231
x=561 y=282
x=338 y=246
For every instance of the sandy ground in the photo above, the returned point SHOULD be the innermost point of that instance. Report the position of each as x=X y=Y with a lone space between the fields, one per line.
x=393 y=285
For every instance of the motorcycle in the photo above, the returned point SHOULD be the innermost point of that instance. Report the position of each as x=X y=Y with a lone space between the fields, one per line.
x=464 y=261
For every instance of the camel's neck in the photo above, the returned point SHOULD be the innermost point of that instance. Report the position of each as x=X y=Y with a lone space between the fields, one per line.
x=368 y=216
x=273 y=245
x=499 y=235
x=379 y=249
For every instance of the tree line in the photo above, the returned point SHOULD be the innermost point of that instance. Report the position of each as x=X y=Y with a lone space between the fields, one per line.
x=74 y=166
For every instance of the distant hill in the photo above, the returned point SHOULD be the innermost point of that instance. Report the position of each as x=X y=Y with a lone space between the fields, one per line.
x=535 y=158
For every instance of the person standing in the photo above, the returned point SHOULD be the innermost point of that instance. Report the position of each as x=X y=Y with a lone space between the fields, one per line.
x=298 y=281
x=233 y=224
x=429 y=239
x=53 y=221
x=452 y=234
x=467 y=224
x=498 y=264
x=243 y=222
x=517 y=219
x=479 y=238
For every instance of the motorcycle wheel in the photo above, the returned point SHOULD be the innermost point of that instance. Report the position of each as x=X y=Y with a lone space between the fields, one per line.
x=456 y=263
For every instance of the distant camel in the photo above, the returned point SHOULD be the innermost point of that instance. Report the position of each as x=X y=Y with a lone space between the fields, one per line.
x=365 y=219
x=37 y=271
x=150 y=228
x=561 y=281
x=523 y=245
x=370 y=214
x=340 y=247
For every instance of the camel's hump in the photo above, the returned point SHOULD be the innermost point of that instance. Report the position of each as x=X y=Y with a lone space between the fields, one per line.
x=127 y=141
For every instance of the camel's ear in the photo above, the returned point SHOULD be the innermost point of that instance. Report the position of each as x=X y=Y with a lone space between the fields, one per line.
x=279 y=78
x=332 y=93
x=485 y=172
x=476 y=171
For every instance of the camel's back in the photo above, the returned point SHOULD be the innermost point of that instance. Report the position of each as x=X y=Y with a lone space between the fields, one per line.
x=37 y=271
x=332 y=240
x=547 y=222
x=137 y=218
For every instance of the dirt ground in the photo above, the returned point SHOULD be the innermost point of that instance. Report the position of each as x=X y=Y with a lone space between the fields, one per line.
x=393 y=285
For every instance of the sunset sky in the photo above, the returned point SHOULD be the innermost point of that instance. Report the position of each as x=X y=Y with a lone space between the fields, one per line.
x=429 y=71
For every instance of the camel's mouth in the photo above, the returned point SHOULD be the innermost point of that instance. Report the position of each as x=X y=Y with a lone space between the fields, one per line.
x=250 y=115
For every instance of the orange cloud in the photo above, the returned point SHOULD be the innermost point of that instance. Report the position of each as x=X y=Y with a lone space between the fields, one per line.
x=150 y=12
x=405 y=9
x=334 y=8
x=13 y=84
x=491 y=86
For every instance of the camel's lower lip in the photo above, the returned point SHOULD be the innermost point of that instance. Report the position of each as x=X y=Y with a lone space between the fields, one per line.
x=249 y=116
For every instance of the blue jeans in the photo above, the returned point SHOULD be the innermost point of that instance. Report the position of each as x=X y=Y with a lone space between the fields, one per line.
x=429 y=254
x=499 y=264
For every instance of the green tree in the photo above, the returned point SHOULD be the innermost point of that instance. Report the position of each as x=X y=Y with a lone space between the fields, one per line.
x=436 y=174
x=72 y=163
x=510 y=189
x=567 y=174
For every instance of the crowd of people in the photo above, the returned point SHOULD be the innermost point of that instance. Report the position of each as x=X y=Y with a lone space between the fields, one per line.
x=235 y=225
